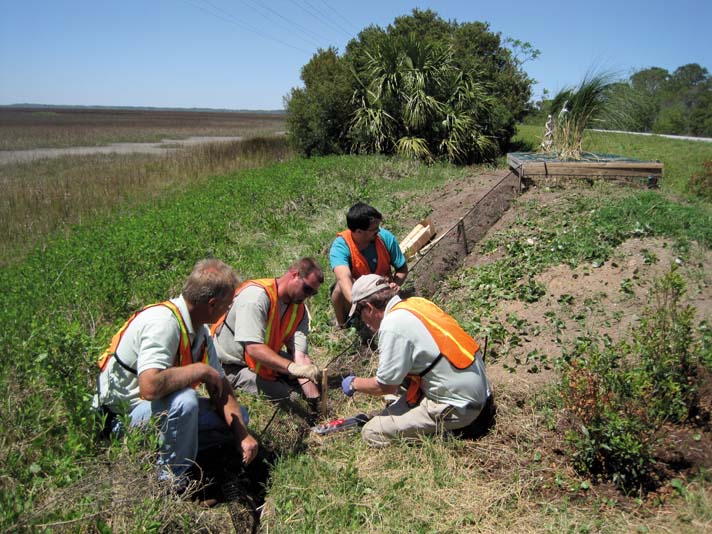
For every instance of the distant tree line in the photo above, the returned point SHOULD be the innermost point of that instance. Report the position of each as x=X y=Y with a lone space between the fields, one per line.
x=423 y=87
x=654 y=100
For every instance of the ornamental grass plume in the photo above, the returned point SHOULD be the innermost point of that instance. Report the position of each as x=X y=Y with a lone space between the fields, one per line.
x=574 y=109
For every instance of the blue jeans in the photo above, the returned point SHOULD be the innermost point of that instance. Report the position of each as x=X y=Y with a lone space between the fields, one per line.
x=187 y=423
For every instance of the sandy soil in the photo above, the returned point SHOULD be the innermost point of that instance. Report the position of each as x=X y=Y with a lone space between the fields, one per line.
x=585 y=301
x=163 y=147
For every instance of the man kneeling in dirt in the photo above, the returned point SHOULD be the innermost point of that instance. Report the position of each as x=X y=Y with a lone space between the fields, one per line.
x=448 y=388
x=363 y=248
x=265 y=316
x=157 y=359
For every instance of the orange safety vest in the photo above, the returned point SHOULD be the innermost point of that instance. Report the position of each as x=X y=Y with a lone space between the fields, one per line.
x=453 y=342
x=183 y=357
x=278 y=329
x=359 y=265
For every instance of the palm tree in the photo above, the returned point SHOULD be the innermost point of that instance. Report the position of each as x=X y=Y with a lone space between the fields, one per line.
x=413 y=101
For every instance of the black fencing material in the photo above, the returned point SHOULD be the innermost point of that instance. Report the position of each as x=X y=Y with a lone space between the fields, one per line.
x=443 y=256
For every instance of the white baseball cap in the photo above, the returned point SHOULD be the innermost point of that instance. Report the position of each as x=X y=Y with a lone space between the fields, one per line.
x=366 y=286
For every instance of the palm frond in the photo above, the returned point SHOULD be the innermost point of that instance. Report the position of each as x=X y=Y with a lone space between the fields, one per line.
x=414 y=148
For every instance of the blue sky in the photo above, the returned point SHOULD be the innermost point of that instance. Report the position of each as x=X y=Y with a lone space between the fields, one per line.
x=247 y=54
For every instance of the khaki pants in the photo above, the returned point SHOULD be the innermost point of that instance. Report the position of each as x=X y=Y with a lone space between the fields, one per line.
x=401 y=421
x=241 y=378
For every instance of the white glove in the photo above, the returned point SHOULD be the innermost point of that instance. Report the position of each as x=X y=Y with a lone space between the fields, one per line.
x=303 y=370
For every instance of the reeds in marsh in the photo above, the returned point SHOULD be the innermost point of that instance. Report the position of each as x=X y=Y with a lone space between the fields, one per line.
x=28 y=128
x=44 y=196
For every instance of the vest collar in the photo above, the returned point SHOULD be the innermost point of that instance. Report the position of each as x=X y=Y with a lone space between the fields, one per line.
x=395 y=300
x=183 y=308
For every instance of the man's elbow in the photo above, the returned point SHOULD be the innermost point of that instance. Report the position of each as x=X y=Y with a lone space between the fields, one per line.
x=149 y=393
x=148 y=387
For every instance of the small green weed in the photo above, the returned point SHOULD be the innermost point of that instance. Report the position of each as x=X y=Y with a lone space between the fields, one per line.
x=700 y=184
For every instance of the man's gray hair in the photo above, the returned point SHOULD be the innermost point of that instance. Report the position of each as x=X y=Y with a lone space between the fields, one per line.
x=379 y=299
x=210 y=278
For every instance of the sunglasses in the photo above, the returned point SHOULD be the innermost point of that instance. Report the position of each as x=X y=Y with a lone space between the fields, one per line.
x=308 y=290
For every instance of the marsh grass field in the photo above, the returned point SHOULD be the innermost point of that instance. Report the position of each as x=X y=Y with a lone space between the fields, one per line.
x=53 y=127
x=50 y=194
x=563 y=267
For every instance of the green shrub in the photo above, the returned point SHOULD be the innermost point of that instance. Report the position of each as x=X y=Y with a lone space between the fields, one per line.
x=616 y=397
x=666 y=380
x=701 y=184
x=610 y=436
x=423 y=87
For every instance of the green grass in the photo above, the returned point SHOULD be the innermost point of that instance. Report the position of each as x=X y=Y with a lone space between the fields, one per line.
x=42 y=196
x=85 y=284
x=67 y=296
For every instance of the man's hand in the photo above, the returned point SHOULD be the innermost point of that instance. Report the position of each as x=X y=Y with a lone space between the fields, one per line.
x=347 y=386
x=249 y=448
x=302 y=370
x=213 y=382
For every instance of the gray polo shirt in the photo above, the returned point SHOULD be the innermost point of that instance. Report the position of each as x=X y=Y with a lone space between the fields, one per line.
x=407 y=347
x=247 y=322
x=151 y=341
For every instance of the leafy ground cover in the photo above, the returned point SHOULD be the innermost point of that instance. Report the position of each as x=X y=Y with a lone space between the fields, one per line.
x=560 y=267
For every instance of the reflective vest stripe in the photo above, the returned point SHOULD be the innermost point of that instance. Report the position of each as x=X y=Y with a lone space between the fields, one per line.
x=277 y=330
x=184 y=355
x=359 y=265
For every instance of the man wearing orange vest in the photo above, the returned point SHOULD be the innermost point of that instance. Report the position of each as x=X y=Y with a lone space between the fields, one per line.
x=448 y=387
x=267 y=315
x=364 y=248
x=157 y=359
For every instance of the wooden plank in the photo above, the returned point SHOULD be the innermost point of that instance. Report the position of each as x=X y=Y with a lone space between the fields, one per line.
x=603 y=167
x=417 y=238
x=583 y=169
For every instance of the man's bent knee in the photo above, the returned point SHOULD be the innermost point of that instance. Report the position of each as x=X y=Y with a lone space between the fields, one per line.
x=373 y=434
x=182 y=403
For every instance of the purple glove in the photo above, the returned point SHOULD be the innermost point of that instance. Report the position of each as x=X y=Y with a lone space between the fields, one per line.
x=347 y=386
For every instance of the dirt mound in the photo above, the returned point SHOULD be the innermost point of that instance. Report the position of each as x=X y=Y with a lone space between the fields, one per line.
x=462 y=213
x=595 y=301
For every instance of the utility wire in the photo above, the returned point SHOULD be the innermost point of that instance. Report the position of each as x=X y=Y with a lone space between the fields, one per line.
x=221 y=14
x=332 y=23
x=314 y=37
x=311 y=10
x=354 y=29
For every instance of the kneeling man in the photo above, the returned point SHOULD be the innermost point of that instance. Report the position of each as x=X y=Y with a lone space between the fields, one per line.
x=157 y=359
x=447 y=385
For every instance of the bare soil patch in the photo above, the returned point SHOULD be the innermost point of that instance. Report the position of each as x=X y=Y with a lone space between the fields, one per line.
x=593 y=301
x=462 y=213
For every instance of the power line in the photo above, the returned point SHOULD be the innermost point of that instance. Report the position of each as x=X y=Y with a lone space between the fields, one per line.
x=314 y=12
x=309 y=34
x=348 y=22
x=221 y=14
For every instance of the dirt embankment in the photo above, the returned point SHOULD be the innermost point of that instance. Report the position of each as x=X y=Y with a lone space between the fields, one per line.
x=587 y=301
